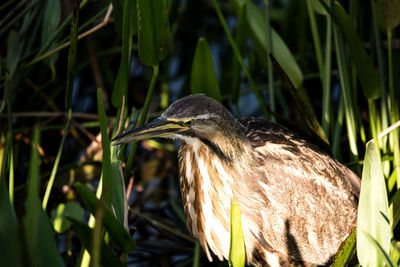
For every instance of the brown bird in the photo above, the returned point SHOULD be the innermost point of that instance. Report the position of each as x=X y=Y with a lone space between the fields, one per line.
x=297 y=203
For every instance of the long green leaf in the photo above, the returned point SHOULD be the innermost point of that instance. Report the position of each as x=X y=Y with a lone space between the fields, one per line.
x=121 y=82
x=203 y=78
x=373 y=211
x=13 y=51
x=154 y=35
x=237 y=254
x=117 y=231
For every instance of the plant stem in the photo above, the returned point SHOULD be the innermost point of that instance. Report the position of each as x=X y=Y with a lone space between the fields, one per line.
x=142 y=119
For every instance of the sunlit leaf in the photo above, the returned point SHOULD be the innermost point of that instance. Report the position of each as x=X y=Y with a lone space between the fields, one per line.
x=373 y=211
x=346 y=250
x=115 y=228
x=154 y=35
x=203 y=78
x=237 y=254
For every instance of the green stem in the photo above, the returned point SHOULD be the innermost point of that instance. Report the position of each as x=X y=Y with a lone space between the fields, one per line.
x=196 y=254
x=57 y=161
x=326 y=77
x=238 y=56
x=142 y=119
x=315 y=35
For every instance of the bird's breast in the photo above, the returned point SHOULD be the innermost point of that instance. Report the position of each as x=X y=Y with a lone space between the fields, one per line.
x=206 y=188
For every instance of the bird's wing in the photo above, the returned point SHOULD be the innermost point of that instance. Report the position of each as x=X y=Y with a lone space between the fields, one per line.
x=310 y=198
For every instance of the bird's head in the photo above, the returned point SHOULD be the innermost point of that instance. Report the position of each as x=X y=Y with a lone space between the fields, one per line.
x=194 y=117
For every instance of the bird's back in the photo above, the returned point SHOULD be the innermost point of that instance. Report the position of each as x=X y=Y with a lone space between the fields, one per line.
x=306 y=201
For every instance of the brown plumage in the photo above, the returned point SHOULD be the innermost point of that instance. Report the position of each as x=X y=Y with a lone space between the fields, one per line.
x=297 y=203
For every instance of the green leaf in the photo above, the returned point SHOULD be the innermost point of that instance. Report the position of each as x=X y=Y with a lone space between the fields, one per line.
x=279 y=49
x=394 y=209
x=115 y=228
x=388 y=13
x=107 y=180
x=346 y=250
x=154 y=36
x=121 y=82
x=85 y=234
x=39 y=237
x=59 y=215
x=203 y=78
x=13 y=51
x=118 y=11
x=365 y=70
x=10 y=239
x=237 y=254
x=51 y=20
x=373 y=211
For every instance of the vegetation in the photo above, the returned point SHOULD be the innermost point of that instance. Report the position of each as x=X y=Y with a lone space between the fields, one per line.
x=76 y=73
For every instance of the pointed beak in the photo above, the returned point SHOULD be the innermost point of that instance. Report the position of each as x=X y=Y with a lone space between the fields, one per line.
x=159 y=127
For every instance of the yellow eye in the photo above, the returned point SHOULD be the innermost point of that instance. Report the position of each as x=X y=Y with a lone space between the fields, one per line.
x=188 y=123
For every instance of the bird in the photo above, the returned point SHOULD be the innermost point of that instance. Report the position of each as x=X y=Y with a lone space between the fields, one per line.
x=297 y=203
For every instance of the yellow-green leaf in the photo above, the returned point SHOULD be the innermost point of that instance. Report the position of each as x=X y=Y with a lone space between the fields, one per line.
x=237 y=254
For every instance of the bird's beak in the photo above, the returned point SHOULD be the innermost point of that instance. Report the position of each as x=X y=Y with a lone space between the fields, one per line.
x=159 y=127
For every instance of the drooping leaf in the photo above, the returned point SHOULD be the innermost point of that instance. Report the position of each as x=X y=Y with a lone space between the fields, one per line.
x=373 y=211
x=154 y=36
x=203 y=78
x=115 y=228
x=237 y=254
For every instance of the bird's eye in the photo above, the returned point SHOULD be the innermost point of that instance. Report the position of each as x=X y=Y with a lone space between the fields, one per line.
x=188 y=123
